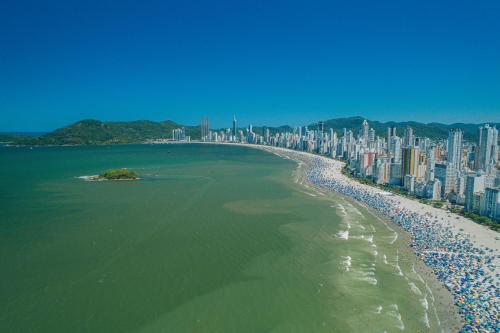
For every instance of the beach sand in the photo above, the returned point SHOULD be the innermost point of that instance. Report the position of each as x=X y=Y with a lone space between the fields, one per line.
x=480 y=236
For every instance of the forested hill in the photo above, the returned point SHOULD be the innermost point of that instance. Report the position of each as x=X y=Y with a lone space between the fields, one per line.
x=88 y=132
x=434 y=131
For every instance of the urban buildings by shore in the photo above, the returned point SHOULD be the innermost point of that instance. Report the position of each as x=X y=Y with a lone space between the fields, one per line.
x=453 y=171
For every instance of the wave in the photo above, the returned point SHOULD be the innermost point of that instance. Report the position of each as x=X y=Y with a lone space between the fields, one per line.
x=346 y=262
x=343 y=234
x=415 y=289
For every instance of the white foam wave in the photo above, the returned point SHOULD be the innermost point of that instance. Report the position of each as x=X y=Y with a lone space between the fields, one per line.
x=346 y=262
x=414 y=289
x=425 y=319
x=425 y=303
x=343 y=234
x=394 y=312
x=395 y=237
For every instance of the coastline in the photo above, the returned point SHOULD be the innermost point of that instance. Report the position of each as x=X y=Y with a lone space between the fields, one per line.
x=453 y=286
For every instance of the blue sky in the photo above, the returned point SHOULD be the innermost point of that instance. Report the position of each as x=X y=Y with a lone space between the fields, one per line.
x=269 y=62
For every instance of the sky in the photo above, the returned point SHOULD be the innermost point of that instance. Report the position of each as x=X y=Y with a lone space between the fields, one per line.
x=269 y=62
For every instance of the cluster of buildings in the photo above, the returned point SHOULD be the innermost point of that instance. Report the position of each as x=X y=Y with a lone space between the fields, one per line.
x=179 y=134
x=460 y=172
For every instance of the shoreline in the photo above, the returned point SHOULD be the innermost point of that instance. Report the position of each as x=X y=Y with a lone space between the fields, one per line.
x=446 y=311
x=458 y=257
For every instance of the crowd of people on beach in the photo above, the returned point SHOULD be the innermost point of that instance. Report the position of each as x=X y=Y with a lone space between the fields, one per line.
x=468 y=271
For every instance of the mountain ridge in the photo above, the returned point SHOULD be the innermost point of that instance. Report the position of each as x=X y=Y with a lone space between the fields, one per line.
x=93 y=131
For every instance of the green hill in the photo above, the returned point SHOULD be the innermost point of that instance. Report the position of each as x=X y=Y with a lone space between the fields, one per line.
x=434 y=131
x=89 y=132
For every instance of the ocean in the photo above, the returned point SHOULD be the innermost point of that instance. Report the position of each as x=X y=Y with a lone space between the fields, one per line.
x=213 y=238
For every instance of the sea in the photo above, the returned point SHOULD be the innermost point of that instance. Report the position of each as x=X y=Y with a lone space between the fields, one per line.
x=213 y=238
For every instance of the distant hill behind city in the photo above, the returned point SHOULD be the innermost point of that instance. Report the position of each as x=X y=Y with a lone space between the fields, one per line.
x=91 y=132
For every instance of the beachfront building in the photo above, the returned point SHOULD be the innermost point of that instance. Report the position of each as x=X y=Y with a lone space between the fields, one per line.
x=179 y=134
x=205 y=130
x=233 y=133
x=490 y=205
x=454 y=148
x=487 y=150
x=408 y=137
x=439 y=169
x=447 y=175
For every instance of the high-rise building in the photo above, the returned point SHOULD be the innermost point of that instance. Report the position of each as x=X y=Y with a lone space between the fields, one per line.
x=491 y=203
x=395 y=151
x=473 y=184
x=205 y=129
x=234 y=128
x=321 y=127
x=447 y=175
x=391 y=132
x=454 y=148
x=410 y=159
x=178 y=134
x=487 y=154
x=365 y=132
x=371 y=135
x=408 y=137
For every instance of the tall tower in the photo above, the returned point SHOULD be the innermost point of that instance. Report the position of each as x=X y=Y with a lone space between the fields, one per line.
x=487 y=156
x=454 y=149
x=408 y=137
x=366 y=129
x=234 y=128
x=205 y=129
x=391 y=131
x=321 y=126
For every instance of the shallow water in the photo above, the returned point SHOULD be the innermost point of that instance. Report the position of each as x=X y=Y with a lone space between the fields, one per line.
x=213 y=239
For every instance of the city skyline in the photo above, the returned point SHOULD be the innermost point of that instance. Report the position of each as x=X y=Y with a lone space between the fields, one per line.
x=384 y=61
x=452 y=170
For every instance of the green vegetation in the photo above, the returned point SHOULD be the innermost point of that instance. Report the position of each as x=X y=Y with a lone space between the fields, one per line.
x=433 y=203
x=88 y=132
x=18 y=139
x=117 y=174
x=484 y=220
x=92 y=132
x=431 y=130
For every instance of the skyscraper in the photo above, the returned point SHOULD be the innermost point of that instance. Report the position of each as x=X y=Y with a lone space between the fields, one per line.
x=391 y=131
x=454 y=149
x=205 y=129
x=234 y=128
x=365 y=131
x=487 y=155
x=321 y=126
x=473 y=184
x=408 y=137
x=410 y=159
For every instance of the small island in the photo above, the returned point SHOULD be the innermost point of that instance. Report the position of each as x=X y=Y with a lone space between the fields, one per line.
x=119 y=174
x=113 y=174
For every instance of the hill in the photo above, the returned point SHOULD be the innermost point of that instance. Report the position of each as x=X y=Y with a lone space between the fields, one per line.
x=89 y=132
x=434 y=131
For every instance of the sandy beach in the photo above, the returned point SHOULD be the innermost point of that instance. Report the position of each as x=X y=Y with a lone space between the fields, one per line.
x=462 y=256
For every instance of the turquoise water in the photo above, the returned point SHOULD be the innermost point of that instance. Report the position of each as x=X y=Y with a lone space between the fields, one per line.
x=213 y=239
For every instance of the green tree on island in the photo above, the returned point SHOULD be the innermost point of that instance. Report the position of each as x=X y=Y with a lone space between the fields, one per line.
x=114 y=174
